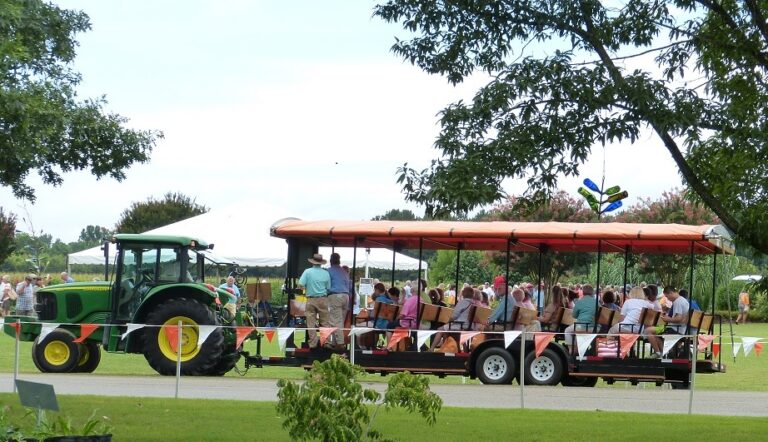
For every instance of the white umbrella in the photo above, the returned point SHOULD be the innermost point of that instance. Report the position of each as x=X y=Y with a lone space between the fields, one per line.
x=748 y=278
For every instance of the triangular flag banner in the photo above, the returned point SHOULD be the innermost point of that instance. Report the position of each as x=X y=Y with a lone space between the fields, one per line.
x=172 y=333
x=270 y=334
x=131 y=328
x=282 y=336
x=541 y=341
x=466 y=336
x=626 y=342
x=715 y=349
x=510 y=336
x=85 y=331
x=16 y=326
x=669 y=342
x=242 y=333
x=747 y=344
x=203 y=332
x=705 y=340
x=758 y=348
x=47 y=328
x=325 y=332
x=422 y=336
x=355 y=331
x=583 y=341
x=398 y=335
x=736 y=348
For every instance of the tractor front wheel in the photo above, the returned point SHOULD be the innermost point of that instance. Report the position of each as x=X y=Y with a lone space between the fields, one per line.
x=56 y=352
x=90 y=356
x=161 y=353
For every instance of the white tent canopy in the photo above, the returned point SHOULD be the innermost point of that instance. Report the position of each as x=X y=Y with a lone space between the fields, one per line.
x=241 y=235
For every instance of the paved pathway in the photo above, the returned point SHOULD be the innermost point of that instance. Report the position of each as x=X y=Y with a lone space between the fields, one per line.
x=486 y=396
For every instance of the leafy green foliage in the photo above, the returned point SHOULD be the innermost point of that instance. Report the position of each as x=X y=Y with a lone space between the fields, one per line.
x=44 y=127
x=475 y=267
x=7 y=234
x=559 y=87
x=332 y=406
x=92 y=236
x=397 y=215
x=150 y=214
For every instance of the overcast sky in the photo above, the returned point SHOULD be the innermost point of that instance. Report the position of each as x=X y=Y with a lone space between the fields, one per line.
x=298 y=105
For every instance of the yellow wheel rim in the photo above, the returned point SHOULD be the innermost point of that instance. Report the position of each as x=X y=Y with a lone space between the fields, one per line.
x=187 y=339
x=56 y=353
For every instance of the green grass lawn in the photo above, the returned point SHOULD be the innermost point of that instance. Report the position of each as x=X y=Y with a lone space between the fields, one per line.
x=744 y=374
x=149 y=419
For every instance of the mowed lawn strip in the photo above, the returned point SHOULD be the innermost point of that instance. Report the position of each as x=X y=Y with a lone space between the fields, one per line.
x=217 y=420
x=743 y=375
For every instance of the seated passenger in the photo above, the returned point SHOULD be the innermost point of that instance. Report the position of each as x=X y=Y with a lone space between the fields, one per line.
x=380 y=295
x=571 y=298
x=676 y=319
x=551 y=309
x=230 y=286
x=583 y=314
x=408 y=312
x=458 y=319
x=609 y=301
x=503 y=311
x=630 y=312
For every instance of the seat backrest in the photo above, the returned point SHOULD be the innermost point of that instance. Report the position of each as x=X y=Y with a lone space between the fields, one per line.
x=567 y=318
x=445 y=315
x=429 y=312
x=387 y=311
x=605 y=316
x=481 y=315
x=706 y=323
x=649 y=317
x=694 y=319
x=470 y=317
x=525 y=316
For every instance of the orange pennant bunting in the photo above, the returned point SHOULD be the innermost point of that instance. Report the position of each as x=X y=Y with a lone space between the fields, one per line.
x=758 y=348
x=242 y=333
x=627 y=341
x=398 y=335
x=715 y=349
x=541 y=341
x=85 y=331
x=704 y=341
x=269 y=334
x=172 y=333
x=16 y=326
x=325 y=332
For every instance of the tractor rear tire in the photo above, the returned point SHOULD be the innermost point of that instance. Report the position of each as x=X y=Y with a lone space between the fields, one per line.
x=90 y=356
x=225 y=364
x=56 y=353
x=195 y=360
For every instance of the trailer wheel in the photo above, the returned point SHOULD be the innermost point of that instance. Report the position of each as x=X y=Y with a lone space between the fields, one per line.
x=90 y=356
x=495 y=365
x=579 y=381
x=547 y=369
x=56 y=353
x=195 y=360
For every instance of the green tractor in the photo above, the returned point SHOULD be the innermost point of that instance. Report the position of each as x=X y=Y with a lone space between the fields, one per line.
x=157 y=282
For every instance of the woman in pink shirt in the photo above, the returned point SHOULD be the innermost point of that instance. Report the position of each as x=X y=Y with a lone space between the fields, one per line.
x=408 y=312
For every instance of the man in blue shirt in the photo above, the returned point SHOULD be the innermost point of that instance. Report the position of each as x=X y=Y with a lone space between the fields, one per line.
x=66 y=279
x=338 y=299
x=230 y=284
x=317 y=282
x=583 y=314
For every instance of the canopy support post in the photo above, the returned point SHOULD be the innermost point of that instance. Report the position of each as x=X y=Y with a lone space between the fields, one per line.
x=458 y=260
x=539 y=307
x=418 y=293
x=506 y=286
x=690 y=280
x=597 y=286
x=626 y=270
x=394 y=254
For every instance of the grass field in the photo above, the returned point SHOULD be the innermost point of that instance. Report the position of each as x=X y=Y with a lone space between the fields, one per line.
x=745 y=374
x=186 y=419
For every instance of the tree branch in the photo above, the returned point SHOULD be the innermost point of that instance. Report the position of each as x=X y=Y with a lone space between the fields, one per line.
x=757 y=17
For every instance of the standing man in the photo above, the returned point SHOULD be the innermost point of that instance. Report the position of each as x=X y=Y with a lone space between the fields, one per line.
x=25 y=303
x=66 y=279
x=338 y=300
x=317 y=284
x=488 y=290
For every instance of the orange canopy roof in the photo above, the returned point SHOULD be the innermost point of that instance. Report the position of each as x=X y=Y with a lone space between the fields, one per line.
x=523 y=236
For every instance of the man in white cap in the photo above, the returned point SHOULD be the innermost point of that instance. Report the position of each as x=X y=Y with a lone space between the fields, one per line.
x=317 y=283
x=25 y=303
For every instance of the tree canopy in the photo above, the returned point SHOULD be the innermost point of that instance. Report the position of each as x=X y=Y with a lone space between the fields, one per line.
x=7 y=234
x=150 y=214
x=560 y=85
x=44 y=126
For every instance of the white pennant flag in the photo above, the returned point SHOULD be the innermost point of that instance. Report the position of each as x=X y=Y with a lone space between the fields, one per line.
x=282 y=336
x=748 y=344
x=204 y=332
x=669 y=342
x=47 y=328
x=510 y=336
x=131 y=327
x=422 y=336
x=583 y=341
x=736 y=348
x=356 y=331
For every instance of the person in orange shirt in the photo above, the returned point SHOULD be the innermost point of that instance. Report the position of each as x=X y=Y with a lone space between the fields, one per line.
x=743 y=307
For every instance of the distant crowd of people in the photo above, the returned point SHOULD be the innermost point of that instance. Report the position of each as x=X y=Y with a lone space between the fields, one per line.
x=20 y=297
